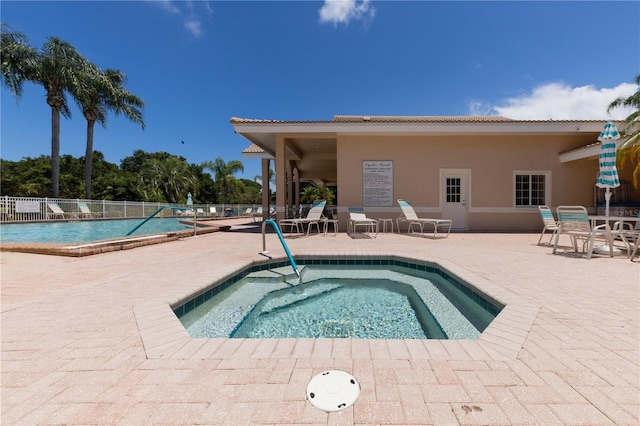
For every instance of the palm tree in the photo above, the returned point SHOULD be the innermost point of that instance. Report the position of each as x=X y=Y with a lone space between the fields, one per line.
x=167 y=179
x=223 y=174
x=18 y=59
x=100 y=93
x=630 y=149
x=57 y=66
x=272 y=178
x=309 y=194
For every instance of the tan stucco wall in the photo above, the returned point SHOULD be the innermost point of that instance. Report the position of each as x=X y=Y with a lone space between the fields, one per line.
x=491 y=160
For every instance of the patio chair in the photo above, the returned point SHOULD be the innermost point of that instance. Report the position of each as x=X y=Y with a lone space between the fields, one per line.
x=549 y=222
x=212 y=211
x=629 y=234
x=357 y=217
x=56 y=211
x=84 y=210
x=409 y=215
x=574 y=222
x=313 y=217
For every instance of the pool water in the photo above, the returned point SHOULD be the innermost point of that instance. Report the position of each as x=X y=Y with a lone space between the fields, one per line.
x=369 y=302
x=84 y=230
x=352 y=308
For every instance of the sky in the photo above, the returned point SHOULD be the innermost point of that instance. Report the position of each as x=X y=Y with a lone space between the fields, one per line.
x=196 y=64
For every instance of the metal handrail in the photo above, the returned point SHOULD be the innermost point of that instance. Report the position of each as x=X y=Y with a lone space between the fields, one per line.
x=152 y=215
x=264 y=251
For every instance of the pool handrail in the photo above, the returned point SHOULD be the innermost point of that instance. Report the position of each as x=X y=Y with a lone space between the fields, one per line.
x=152 y=215
x=284 y=245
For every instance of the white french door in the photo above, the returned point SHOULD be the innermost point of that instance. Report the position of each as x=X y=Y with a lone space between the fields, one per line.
x=455 y=196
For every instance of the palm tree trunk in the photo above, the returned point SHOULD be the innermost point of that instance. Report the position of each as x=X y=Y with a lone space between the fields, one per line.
x=55 y=151
x=88 y=160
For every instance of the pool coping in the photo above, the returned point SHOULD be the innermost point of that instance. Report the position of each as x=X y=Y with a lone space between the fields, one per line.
x=164 y=336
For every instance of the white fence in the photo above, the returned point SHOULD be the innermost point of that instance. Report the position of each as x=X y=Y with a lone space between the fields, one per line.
x=30 y=209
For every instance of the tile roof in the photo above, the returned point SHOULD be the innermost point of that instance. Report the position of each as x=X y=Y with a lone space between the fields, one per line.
x=253 y=149
x=406 y=119
x=418 y=119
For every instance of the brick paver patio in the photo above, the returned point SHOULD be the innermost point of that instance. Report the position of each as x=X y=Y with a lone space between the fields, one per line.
x=93 y=341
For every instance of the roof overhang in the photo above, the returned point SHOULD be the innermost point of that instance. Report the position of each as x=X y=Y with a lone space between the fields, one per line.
x=586 y=152
x=303 y=136
x=263 y=132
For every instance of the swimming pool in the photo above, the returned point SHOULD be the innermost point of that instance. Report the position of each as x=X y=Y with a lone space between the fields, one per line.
x=345 y=298
x=84 y=230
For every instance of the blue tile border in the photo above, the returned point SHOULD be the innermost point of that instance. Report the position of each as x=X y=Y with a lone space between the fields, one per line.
x=467 y=288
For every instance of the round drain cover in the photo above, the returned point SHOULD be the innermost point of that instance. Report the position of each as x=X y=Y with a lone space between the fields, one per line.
x=333 y=390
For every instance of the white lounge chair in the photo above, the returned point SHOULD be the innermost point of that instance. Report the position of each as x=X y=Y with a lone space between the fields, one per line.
x=409 y=215
x=357 y=217
x=56 y=211
x=212 y=211
x=84 y=210
x=549 y=222
x=314 y=216
x=574 y=222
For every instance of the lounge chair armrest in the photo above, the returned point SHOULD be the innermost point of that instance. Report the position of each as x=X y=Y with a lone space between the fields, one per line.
x=622 y=226
x=604 y=226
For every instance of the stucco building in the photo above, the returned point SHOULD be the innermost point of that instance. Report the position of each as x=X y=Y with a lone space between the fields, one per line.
x=486 y=173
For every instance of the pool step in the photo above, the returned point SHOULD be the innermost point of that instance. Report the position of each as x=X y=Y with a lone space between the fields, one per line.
x=283 y=273
x=286 y=301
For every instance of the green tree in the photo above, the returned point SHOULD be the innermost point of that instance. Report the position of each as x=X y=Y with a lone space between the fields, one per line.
x=224 y=174
x=17 y=59
x=101 y=93
x=167 y=180
x=206 y=191
x=57 y=66
x=248 y=192
x=111 y=183
x=29 y=177
x=630 y=149
x=71 y=183
x=272 y=181
x=311 y=193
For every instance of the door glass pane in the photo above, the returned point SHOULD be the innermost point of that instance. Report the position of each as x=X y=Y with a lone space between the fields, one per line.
x=453 y=189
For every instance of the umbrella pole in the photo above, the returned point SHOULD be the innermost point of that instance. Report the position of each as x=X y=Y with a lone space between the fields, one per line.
x=605 y=249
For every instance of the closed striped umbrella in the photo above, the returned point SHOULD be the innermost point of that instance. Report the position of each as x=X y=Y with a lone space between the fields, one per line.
x=608 y=176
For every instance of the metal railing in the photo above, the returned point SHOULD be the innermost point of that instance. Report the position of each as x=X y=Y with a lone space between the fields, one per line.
x=33 y=209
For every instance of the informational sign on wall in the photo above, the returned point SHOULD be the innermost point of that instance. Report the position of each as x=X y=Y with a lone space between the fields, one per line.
x=377 y=182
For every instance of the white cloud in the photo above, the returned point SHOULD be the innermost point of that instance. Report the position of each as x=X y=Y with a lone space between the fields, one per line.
x=559 y=101
x=343 y=11
x=194 y=26
x=188 y=13
x=168 y=6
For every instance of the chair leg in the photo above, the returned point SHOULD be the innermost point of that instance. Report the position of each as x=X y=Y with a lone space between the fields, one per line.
x=635 y=249
x=555 y=245
x=592 y=240
x=542 y=235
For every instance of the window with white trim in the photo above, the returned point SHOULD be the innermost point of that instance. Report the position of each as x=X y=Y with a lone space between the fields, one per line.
x=532 y=188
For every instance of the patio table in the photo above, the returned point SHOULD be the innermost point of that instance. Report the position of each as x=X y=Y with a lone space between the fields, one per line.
x=631 y=246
